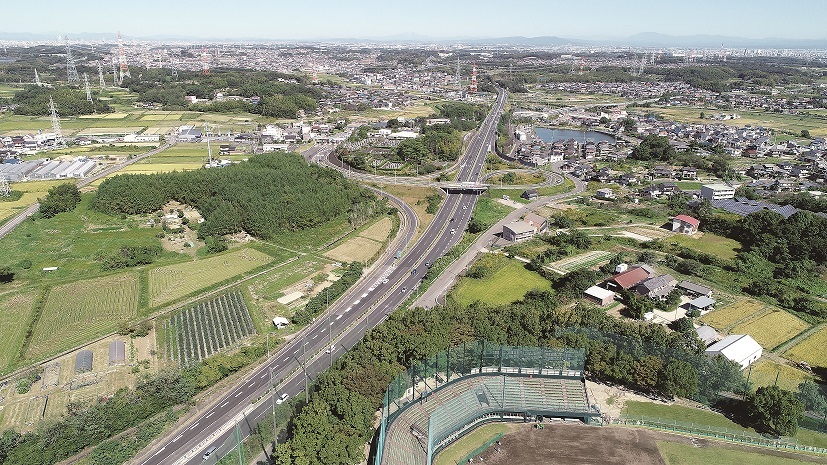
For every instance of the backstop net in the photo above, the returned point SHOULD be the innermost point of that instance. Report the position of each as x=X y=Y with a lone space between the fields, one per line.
x=438 y=399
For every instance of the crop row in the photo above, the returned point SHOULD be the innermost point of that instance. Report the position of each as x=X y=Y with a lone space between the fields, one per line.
x=208 y=327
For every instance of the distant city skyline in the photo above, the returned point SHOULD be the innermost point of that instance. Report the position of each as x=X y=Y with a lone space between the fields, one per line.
x=445 y=19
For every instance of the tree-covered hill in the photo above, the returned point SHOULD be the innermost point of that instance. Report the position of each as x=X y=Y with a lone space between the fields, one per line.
x=264 y=196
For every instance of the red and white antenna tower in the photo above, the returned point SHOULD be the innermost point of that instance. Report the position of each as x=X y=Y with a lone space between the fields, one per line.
x=205 y=63
x=473 y=86
x=124 y=68
x=582 y=65
x=723 y=52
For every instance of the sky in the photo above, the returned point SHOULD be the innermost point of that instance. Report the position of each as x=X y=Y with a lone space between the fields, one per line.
x=319 y=19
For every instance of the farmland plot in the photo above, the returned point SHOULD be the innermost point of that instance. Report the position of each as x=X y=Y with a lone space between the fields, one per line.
x=773 y=328
x=584 y=260
x=207 y=327
x=171 y=282
x=15 y=310
x=82 y=310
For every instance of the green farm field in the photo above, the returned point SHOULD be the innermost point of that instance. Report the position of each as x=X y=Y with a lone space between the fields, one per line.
x=508 y=284
x=15 y=311
x=168 y=283
x=712 y=244
x=82 y=310
x=792 y=124
x=764 y=373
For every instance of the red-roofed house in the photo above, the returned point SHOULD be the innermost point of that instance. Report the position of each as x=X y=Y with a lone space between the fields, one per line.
x=629 y=278
x=685 y=224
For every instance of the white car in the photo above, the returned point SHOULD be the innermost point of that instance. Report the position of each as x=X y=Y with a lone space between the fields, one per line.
x=330 y=349
x=453 y=231
x=282 y=398
x=465 y=207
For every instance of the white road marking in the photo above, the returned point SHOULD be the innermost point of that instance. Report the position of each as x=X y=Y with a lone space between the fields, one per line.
x=239 y=393
x=193 y=426
x=225 y=404
x=338 y=316
x=365 y=294
x=209 y=414
x=263 y=376
x=178 y=437
x=356 y=301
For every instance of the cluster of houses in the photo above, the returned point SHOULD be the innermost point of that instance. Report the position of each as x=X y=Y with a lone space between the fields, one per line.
x=538 y=153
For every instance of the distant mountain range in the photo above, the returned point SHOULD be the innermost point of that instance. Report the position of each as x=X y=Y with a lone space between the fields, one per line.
x=644 y=39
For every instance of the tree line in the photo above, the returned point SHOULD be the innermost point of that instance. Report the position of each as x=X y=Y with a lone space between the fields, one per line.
x=265 y=196
x=69 y=101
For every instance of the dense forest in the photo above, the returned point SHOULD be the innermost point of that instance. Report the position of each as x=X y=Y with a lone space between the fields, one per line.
x=281 y=95
x=34 y=101
x=264 y=196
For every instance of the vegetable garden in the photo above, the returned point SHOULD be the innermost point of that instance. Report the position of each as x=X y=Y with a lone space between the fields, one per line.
x=207 y=327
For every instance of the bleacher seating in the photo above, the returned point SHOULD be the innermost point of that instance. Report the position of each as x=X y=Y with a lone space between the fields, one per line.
x=448 y=409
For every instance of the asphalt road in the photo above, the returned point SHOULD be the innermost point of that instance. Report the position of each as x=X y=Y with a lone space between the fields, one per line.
x=382 y=290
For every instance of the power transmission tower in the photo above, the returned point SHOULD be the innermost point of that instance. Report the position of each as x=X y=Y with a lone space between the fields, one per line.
x=205 y=64
x=55 y=124
x=457 y=78
x=174 y=68
x=114 y=72
x=124 y=68
x=71 y=70
x=100 y=76
x=88 y=91
x=37 y=79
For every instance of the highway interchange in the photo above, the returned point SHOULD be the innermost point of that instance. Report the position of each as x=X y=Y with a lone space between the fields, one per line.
x=384 y=288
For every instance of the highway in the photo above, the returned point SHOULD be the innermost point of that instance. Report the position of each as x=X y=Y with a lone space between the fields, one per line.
x=386 y=286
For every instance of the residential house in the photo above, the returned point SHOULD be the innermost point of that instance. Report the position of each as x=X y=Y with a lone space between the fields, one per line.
x=685 y=224
x=656 y=288
x=629 y=278
x=529 y=194
x=539 y=223
x=717 y=191
x=688 y=173
x=694 y=290
x=605 y=194
x=518 y=231
x=702 y=304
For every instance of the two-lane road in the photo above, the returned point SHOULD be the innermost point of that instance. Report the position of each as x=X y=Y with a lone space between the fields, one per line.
x=380 y=292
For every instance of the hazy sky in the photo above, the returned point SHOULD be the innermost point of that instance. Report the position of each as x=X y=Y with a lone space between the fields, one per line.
x=302 y=19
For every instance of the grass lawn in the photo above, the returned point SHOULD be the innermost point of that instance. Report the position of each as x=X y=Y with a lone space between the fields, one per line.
x=682 y=414
x=773 y=328
x=544 y=191
x=810 y=350
x=506 y=285
x=683 y=454
x=73 y=242
x=719 y=246
x=452 y=454
x=314 y=239
x=689 y=185
x=488 y=211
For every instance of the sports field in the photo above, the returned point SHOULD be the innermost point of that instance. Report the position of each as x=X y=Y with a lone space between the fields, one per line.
x=171 y=282
x=15 y=311
x=506 y=285
x=466 y=444
x=79 y=311
x=810 y=350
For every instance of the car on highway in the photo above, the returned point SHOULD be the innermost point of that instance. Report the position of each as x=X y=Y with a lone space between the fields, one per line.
x=330 y=349
x=385 y=281
x=428 y=265
x=282 y=398
x=413 y=271
x=209 y=452
x=404 y=289
x=465 y=207
x=453 y=231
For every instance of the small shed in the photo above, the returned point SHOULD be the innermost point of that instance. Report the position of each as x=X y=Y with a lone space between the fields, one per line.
x=599 y=295
x=280 y=322
x=83 y=361
x=529 y=194
x=117 y=353
x=702 y=303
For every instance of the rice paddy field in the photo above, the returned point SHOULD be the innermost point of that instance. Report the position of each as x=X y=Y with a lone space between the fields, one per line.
x=772 y=328
x=168 y=283
x=791 y=124
x=811 y=349
x=765 y=372
x=725 y=317
x=82 y=310
x=15 y=312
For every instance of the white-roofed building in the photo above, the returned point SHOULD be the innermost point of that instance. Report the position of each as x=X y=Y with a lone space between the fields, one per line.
x=707 y=334
x=740 y=348
x=518 y=231
x=599 y=295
